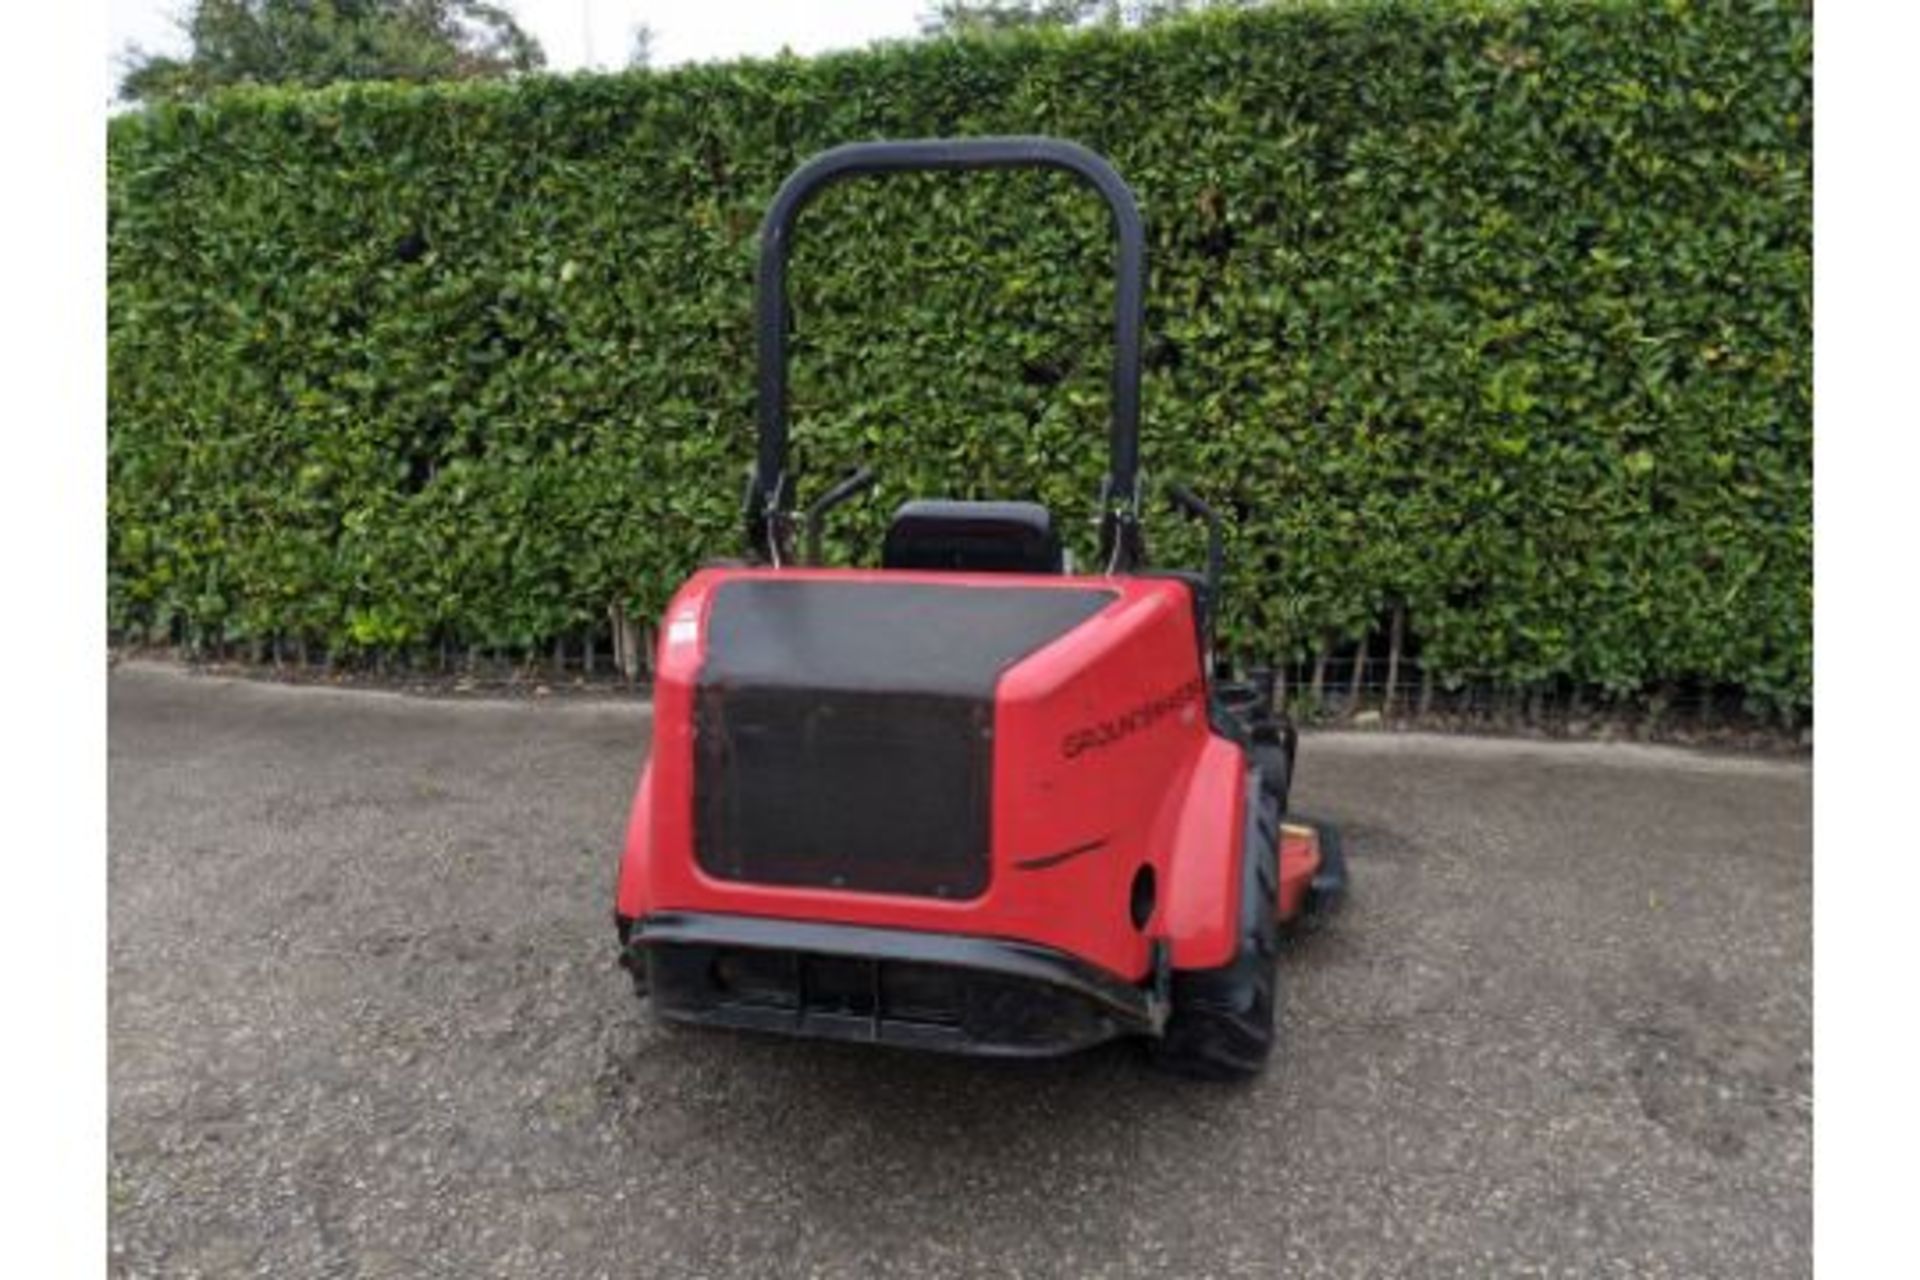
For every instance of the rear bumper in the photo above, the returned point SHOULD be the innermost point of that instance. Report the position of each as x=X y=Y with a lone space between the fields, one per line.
x=919 y=990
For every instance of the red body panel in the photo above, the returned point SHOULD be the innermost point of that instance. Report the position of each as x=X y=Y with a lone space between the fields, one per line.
x=1104 y=763
x=1202 y=902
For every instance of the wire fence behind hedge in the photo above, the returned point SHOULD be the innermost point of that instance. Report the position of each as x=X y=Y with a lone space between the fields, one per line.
x=1381 y=679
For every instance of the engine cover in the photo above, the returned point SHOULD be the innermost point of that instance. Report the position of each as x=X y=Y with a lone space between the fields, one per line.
x=844 y=730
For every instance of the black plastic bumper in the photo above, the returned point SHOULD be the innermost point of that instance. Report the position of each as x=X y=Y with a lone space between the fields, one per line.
x=902 y=987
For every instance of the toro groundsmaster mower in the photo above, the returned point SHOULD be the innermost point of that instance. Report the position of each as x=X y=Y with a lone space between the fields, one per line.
x=966 y=800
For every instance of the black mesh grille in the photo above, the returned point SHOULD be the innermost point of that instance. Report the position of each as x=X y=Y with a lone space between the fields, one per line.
x=844 y=730
x=848 y=790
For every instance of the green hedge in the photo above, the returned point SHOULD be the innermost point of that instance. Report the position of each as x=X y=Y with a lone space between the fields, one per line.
x=1498 y=314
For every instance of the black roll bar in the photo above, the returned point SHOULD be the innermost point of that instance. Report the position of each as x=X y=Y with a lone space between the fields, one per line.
x=766 y=531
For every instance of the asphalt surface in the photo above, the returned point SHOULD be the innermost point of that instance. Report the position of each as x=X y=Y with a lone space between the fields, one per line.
x=365 y=1021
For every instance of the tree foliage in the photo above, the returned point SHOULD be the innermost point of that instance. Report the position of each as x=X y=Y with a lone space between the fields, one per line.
x=979 y=17
x=972 y=18
x=320 y=42
x=1497 y=314
x=640 y=47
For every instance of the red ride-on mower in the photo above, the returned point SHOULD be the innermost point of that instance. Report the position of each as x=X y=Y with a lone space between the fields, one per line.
x=967 y=800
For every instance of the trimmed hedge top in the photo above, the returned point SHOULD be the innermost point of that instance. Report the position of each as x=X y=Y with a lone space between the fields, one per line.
x=1499 y=314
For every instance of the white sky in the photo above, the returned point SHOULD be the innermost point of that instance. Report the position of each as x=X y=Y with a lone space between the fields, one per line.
x=700 y=31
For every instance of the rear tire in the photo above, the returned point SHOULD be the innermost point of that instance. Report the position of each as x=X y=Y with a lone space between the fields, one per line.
x=1222 y=1024
x=1273 y=748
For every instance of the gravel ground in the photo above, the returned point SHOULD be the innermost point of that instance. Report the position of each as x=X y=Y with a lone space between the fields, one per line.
x=365 y=1021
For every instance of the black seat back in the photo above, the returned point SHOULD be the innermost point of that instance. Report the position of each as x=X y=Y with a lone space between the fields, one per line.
x=980 y=537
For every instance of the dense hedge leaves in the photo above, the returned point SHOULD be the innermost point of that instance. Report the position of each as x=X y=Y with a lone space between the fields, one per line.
x=1497 y=313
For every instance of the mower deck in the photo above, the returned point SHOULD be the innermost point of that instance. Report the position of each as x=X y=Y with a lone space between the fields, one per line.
x=1313 y=871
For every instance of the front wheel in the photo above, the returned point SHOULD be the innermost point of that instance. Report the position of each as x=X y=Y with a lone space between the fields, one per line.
x=1222 y=1023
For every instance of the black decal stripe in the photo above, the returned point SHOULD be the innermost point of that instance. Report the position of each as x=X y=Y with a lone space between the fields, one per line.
x=1055 y=859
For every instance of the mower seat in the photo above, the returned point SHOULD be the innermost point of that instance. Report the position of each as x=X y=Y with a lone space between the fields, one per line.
x=978 y=537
